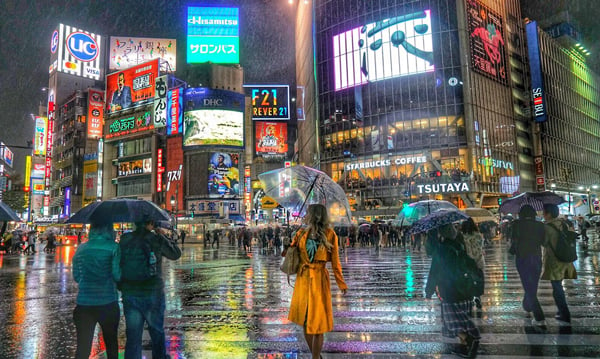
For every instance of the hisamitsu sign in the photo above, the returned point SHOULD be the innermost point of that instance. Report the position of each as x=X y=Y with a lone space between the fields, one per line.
x=213 y=35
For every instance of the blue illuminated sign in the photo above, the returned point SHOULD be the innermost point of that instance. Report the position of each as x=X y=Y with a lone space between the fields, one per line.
x=213 y=35
x=535 y=67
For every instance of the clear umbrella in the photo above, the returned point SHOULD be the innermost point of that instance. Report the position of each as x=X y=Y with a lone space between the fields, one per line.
x=417 y=210
x=296 y=187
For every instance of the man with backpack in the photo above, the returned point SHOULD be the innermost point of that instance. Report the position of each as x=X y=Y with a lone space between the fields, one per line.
x=558 y=257
x=142 y=287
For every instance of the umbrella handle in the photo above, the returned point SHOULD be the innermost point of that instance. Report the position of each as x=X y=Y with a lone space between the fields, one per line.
x=308 y=194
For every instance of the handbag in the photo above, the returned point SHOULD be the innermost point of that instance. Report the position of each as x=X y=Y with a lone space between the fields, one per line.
x=291 y=262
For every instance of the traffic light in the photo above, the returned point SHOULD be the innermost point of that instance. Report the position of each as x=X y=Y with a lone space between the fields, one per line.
x=499 y=200
x=435 y=174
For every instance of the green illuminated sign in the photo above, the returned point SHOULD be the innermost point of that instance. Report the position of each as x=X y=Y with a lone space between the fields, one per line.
x=213 y=35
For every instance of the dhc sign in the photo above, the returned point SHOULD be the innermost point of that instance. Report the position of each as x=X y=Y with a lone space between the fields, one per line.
x=82 y=46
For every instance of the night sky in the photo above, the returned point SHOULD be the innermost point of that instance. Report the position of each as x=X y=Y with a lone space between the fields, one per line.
x=266 y=39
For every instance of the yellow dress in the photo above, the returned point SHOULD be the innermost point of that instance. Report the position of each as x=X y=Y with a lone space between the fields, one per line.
x=311 y=302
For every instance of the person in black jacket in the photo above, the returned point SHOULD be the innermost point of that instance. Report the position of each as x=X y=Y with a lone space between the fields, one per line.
x=527 y=237
x=144 y=300
x=456 y=307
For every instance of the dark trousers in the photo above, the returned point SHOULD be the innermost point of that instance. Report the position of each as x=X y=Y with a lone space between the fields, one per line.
x=558 y=293
x=530 y=269
x=149 y=309
x=86 y=317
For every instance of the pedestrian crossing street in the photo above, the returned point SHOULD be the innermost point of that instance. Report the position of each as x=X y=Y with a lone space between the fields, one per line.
x=226 y=304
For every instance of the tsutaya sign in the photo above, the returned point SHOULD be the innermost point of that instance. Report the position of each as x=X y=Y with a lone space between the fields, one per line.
x=385 y=163
x=444 y=187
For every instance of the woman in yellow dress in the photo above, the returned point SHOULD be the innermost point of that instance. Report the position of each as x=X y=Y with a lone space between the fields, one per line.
x=311 y=302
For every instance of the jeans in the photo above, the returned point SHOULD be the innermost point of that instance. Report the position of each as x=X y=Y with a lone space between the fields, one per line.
x=140 y=309
x=530 y=269
x=86 y=317
x=561 y=302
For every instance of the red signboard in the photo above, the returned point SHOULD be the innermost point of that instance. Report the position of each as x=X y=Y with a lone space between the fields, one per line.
x=132 y=87
x=95 y=106
x=271 y=139
x=160 y=169
x=174 y=168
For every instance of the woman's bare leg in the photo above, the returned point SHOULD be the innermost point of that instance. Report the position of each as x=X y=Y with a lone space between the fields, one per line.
x=317 y=345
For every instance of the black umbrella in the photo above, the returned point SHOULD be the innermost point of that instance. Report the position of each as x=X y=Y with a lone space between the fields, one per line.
x=120 y=210
x=7 y=214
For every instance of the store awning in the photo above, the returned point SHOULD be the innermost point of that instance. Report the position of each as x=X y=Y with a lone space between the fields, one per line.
x=237 y=218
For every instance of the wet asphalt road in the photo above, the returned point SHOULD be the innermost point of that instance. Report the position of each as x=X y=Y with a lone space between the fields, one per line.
x=227 y=304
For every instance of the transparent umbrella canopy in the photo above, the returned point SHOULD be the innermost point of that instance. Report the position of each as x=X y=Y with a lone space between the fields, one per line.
x=417 y=210
x=299 y=186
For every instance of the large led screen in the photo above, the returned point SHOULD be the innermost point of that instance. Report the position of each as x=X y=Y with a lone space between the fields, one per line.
x=487 y=42
x=223 y=175
x=126 y=52
x=398 y=46
x=213 y=35
x=213 y=118
x=271 y=139
x=132 y=87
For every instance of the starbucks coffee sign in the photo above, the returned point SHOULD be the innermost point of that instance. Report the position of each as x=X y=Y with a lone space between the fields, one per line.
x=443 y=187
x=385 y=163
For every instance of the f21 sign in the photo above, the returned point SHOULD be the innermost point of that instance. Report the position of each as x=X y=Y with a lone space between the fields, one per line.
x=269 y=102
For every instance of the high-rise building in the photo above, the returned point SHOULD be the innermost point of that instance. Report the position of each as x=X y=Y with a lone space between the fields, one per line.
x=418 y=100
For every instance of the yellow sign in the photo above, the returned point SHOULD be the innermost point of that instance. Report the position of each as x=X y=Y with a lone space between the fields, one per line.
x=268 y=203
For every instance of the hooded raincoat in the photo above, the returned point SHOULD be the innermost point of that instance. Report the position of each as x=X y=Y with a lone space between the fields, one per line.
x=311 y=302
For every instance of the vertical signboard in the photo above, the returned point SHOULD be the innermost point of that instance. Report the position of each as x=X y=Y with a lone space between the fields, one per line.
x=213 y=35
x=540 y=181
x=160 y=169
x=26 y=182
x=160 y=102
x=90 y=181
x=174 y=170
x=535 y=67
x=175 y=111
x=39 y=141
x=76 y=52
x=67 y=208
x=486 y=42
x=95 y=106
x=247 y=191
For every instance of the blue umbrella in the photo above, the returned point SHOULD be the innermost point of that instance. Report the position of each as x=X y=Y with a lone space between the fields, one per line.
x=537 y=200
x=119 y=211
x=437 y=219
x=7 y=214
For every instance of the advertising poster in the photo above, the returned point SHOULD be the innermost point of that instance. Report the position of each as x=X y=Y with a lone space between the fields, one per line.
x=223 y=175
x=175 y=111
x=95 y=106
x=487 y=42
x=39 y=141
x=7 y=155
x=535 y=67
x=213 y=35
x=271 y=139
x=213 y=118
x=37 y=186
x=398 y=46
x=76 y=52
x=126 y=52
x=270 y=102
x=90 y=181
x=132 y=87
x=160 y=102
x=174 y=170
x=38 y=170
x=137 y=167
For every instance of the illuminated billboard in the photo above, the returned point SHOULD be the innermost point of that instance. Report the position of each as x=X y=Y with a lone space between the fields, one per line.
x=398 y=46
x=94 y=119
x=7 y=154
x=137 y=167
x=174 y=170
x=213 y=118
x=38 y=170
x=535 y=67
x=270 y=102
x=76 y=52
x=132 y=87
x=223 y=175
x=160 y=102
x=213 y=35
x=486 y=41
x=126 y=52
x=271 y=139
x=130 y=125
x=37 y=185
x=41 y=136
x=175 y=111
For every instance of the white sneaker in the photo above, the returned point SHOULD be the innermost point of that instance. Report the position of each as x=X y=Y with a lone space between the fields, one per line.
x=538 y=323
